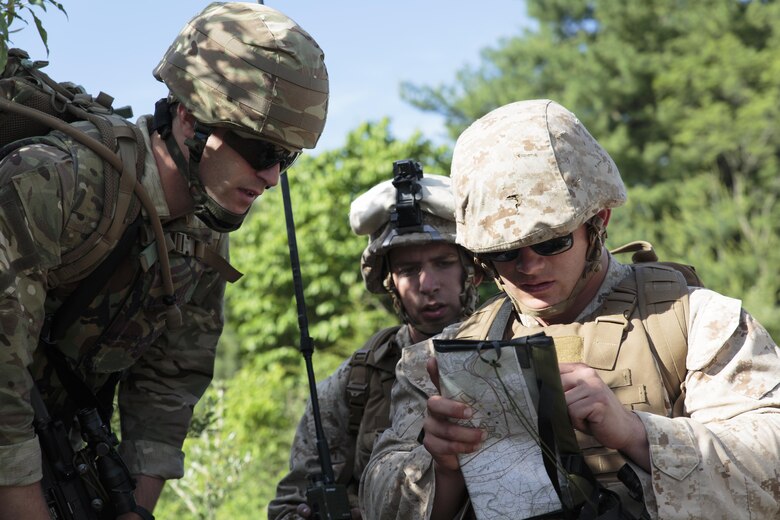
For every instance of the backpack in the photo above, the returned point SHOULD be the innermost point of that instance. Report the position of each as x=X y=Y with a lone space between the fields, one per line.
x=31 y=105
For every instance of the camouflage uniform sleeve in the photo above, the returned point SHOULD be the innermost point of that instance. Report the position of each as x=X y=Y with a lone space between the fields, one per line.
x=398 y=481
x=158 y=393
x=304 y=459
x=31 y=222
x=723 y=459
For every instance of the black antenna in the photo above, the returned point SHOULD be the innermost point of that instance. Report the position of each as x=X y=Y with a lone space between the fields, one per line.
x=327 y=499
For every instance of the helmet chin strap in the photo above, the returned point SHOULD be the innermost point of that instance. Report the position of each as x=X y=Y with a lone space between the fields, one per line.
x=206 y=208
x=597 y=234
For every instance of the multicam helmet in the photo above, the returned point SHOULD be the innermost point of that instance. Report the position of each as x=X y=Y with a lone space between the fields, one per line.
x=372 y=214
x=250 y=68
x=528 y=172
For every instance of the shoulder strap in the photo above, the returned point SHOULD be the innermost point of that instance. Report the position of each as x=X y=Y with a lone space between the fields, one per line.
x=360 y=371
x=664 y=309
x=482 y=322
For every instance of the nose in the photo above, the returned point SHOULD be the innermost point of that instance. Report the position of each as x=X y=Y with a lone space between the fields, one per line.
x=270 y=175
x=429 y=282
x=528 y=261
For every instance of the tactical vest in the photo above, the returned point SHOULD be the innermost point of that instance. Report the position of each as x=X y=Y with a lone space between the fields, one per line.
x=642 y=323
x=370 y=380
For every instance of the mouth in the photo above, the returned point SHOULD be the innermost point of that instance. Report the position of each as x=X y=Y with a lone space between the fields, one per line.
x=249 y=193
x=433 y=311
x=536 y=287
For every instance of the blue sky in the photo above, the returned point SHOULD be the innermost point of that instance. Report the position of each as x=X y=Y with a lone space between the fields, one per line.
x=370 y=48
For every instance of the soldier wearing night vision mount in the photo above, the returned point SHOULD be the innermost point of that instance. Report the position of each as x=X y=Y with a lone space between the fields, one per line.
x=242 y=106
x=432 y=283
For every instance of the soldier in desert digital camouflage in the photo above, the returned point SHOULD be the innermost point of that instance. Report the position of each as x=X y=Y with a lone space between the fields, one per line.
x=432 y=283
x=673 y=389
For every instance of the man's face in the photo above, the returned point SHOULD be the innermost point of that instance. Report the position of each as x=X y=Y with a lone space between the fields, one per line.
x=538 y=281
x=429 y=280
x=228 y=177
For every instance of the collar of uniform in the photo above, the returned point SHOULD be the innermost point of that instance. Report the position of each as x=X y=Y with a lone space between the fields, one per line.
x=402 y=339
x=151 y=180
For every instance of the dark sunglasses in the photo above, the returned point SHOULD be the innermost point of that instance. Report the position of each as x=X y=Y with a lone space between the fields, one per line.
x=260 y=154
x=552 y=247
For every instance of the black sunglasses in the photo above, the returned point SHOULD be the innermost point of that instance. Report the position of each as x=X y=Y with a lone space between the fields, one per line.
x=260 y=154
x=552 y=247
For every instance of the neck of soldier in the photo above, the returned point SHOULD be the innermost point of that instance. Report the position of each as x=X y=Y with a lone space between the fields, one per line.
x=581 y=300
x=417 y=335
x=177 y=193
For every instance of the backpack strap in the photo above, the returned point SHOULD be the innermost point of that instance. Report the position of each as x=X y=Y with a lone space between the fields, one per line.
x=118 y=209
x=361 y=367
x=57 y=324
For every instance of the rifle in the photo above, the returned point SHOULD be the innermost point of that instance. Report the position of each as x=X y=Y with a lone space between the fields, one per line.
x=328 y=500
x=91 y=484
x=63 y=488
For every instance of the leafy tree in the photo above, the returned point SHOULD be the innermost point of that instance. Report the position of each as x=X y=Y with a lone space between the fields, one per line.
x=261 y=307
x=13 y=11
x=684 y=96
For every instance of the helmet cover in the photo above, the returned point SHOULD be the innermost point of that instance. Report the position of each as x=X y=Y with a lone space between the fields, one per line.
x=527 y=172
x=370 y=215
x=252 y=69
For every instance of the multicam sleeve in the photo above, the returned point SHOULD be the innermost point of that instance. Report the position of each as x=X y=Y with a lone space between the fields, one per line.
x=398 y=481
x=304 y=459
x=31 y=222
x=158 y=393
x=723 y=459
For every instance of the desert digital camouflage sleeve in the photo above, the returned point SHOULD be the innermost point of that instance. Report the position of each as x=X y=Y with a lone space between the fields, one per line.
x=158 y=393
x=723 y=459
x=304 y=459
x=31 y=223
x=398 y=481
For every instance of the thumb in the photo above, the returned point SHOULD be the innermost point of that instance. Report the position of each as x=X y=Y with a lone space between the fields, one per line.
x=433 y=371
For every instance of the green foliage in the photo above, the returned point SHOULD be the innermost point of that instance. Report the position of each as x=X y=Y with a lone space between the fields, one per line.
x=12 y=11
x=239 y=443
x=684 y=97
x=341 y=313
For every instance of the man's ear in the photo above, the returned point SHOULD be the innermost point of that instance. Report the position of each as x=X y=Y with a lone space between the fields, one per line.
x=186 y=121
x=605 y=214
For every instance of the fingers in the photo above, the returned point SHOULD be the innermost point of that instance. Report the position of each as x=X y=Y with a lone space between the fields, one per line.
x=444 y=438
x=303 y=510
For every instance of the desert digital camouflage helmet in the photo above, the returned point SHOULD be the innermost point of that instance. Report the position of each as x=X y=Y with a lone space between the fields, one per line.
x=252 y=70
x=528 y=172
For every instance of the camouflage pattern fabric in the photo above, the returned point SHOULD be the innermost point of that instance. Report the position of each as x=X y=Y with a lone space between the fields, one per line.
x=268 y=79
x=51 y=199
x=721 y=460
x=304 y=460
x=547 y=175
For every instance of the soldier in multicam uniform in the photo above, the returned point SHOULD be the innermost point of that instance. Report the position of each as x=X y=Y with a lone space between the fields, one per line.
x=248 y=90
x=534 y=193
x=432 y=283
